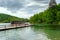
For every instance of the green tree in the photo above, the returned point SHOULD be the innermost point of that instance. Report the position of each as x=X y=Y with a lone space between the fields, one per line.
x=49 y=16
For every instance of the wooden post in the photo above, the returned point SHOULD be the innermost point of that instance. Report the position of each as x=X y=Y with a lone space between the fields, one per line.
x=5 y=26
x=16 y=25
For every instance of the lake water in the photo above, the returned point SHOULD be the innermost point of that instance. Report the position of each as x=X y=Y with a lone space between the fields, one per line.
x=30 y=33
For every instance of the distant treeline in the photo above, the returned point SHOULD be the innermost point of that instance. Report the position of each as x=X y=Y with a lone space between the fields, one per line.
x=49 y=16
x=4 y=18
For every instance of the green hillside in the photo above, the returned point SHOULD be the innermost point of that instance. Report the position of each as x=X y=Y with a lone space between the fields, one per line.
x=49 y=16
x=4 y=18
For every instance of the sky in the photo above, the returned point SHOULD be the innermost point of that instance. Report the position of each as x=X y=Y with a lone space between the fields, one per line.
x=23 y=8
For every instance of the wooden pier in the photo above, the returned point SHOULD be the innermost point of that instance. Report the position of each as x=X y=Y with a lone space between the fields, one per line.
x=12 y=27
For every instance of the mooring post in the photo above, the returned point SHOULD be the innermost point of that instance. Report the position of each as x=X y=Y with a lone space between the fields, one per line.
x=5 y=26
x=16 y=25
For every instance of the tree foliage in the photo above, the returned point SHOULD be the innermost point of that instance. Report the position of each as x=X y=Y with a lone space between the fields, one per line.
x=49 y=16
x=4 y=18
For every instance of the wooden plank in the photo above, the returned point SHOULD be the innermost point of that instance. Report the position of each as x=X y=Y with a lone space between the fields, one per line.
x=11 y=27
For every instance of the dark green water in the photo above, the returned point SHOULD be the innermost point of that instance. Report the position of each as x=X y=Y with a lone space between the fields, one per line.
x=30 y=33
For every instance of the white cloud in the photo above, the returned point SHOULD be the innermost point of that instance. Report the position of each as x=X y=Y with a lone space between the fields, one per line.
x=23 y=8
x=23 y=14
x=20 y=14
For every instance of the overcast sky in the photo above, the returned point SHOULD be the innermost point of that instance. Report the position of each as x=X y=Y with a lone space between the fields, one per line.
x=23 y=8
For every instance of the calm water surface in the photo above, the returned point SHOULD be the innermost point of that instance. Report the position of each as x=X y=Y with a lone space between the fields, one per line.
x=30 y=33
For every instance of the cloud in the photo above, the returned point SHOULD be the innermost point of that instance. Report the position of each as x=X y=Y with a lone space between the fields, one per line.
x=58 y=1
x=15 y=5
x=23 y=8
x=42 y=1
x=11 y=5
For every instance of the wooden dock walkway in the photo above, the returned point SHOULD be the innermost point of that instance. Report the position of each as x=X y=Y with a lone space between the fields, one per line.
x=12 y=27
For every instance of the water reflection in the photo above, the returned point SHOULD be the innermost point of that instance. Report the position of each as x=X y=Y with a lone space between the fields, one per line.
x=52 y=34
x=27 y=33
x=30 y=33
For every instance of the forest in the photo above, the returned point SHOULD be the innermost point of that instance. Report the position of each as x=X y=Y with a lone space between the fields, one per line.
x=49 y=16
x=5 y=18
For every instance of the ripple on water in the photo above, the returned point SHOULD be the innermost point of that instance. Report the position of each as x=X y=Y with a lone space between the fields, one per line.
x=22 y=34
